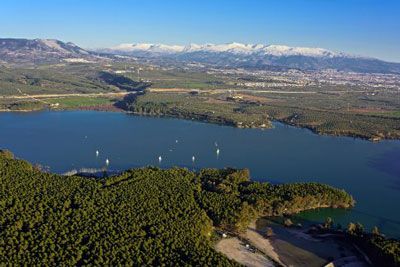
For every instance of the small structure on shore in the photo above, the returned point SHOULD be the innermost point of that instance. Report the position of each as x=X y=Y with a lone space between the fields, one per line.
x=288 y=222
x=269 y=232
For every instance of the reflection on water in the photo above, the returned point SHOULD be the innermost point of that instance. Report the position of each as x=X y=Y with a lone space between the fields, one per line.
x=69 y=140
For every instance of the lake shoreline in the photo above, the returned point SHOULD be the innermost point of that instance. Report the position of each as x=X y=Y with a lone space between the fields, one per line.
x=194 y=184
x=87 y=140
x=221 y=122
x=253 y=247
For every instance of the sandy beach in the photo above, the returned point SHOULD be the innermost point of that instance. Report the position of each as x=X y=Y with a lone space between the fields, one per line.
x=288 y=247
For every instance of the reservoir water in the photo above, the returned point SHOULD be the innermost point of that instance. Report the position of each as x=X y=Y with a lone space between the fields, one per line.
x=64 y=141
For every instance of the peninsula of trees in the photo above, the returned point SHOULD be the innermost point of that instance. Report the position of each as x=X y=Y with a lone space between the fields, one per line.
x=145 y=216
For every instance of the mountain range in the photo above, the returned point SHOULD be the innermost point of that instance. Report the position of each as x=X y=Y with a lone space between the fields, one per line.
x=233 y=48
x=258 y=56
x=232 y=55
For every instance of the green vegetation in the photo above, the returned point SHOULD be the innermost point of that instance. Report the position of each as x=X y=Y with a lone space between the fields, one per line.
x=143 y=216
x=121 y=82
x=70 y=102
x=179 y=78
x=52 y=80
x=149 y=218
x=21 y=105
x=336 y=123
x=23 y=89
x=390 y=114
x=202 y=108
x=219 y=108
x=382 y=251
x=82 y=101
x=63 y=79
x=232 y=200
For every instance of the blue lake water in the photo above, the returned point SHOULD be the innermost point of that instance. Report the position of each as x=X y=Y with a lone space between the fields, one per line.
x=68 y=140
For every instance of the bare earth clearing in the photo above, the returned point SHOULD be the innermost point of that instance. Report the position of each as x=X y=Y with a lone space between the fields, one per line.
x=234 y=249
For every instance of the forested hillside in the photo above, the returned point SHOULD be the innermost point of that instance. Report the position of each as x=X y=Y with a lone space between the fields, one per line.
x=144 y=216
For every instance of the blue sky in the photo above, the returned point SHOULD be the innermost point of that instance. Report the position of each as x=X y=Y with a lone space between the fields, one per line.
x=364 y=27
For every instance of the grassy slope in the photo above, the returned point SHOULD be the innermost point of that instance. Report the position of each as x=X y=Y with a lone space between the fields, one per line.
x=52 y=80
x=61 y=79
x=77 y=102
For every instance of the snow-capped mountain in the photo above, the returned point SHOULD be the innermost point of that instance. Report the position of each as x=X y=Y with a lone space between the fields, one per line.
x=258 y=56
x=272 y=50
x=234 y=48
x=153 y=48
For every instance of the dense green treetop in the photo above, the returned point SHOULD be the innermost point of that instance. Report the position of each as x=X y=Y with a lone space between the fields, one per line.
x=144 y=216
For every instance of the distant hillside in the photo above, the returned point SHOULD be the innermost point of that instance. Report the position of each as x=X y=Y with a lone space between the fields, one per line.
x=233 y=55
x=258 y=56
x=41 y=51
